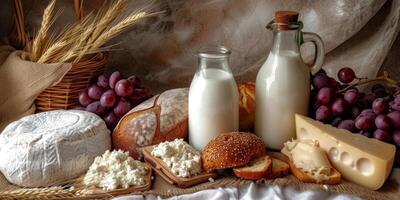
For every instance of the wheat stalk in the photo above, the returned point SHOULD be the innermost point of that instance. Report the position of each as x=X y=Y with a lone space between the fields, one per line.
x=109 y=16
x=118 y=28
x=52 y=52
x=85 y=36
x=40 y=39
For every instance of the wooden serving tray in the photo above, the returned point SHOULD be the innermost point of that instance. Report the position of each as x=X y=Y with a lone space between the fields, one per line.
x=79 y=185
x=164 y=171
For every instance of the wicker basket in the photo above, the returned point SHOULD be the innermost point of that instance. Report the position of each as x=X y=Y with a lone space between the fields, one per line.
x=65 y=94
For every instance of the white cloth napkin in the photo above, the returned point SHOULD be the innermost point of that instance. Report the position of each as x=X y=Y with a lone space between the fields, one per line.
x=254 y=191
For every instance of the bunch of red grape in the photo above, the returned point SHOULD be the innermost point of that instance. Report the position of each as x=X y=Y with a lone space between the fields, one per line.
x=375 y=114
x=111 y=97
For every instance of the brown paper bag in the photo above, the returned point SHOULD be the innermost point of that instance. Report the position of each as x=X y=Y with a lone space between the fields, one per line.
x=21 y=81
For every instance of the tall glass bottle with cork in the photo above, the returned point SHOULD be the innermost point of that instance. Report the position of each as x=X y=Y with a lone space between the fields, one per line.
x=283 y=82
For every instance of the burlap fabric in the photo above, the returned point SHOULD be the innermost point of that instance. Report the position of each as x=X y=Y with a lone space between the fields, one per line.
x=21 y=81
x=389 y=191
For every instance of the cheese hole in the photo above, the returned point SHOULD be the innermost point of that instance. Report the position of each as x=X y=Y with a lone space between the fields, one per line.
x=333 y=153
x=365 y=166
x=346 y=158
x=303 y=132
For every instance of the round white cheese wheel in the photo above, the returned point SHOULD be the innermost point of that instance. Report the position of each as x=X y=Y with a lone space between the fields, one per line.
x=51 y=147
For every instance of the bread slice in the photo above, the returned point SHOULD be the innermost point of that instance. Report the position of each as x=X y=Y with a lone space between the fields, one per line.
x=279 y=169
x=257 y=169
x=334 y=177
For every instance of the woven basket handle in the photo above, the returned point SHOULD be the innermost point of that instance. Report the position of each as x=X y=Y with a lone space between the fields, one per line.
x=20 y=39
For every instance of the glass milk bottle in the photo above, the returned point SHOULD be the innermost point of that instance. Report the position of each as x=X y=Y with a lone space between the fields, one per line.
x=283 y=82
x=213 y=98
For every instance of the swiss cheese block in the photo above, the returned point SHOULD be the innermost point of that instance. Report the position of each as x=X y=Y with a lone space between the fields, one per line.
x=51 y=147
x=362 y=160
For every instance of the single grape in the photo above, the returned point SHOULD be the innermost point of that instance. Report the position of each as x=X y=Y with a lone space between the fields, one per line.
x=135 y=81
x=339 y=107
x=380 y=93
x=96 y=108
x=346 y=75
x=367 y=112
x=336 y=121
x=348 y=125
x=111 y=120
x=321 y=80
x=351 y=96
x=114 y=78
x=395 y=106
x=396 y=99
x=122 y=107
x=396 y=138
x=323 y=114
x=95 y=92
x=382 y=122
x=380 y=106
x=355 y=111
x=395 y=119
x=381 y=135
x=326 y=95
x=84 y=98
x=123 y=88
x=108 y=99
x=365 y=122
x=103 y=81
x=376 y=87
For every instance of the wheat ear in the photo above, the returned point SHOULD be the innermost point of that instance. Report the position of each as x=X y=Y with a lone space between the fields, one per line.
x=117 y=29
x=40 y=39
x=109 y=16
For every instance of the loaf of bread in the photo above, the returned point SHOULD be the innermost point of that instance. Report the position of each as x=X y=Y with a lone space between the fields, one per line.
x=247 y=106
x=230 y=150
x=161 y=118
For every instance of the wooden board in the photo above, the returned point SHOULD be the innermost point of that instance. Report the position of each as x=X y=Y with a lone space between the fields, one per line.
x=134 y=189
x=164 y=171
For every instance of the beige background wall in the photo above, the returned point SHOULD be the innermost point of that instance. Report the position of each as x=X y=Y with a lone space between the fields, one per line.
x=357 y=33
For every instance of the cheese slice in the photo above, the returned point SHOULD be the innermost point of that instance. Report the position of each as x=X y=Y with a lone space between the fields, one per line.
x=51 y=147
x=361 y=160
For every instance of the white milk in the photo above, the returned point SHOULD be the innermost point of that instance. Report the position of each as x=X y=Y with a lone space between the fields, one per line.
x=213 y=106
x=282 y=89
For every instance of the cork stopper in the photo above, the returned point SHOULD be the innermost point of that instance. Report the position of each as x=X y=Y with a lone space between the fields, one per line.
x=285 y=18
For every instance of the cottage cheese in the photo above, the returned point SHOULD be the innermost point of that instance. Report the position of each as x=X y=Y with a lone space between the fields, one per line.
x=180 y=157
x=115 y=170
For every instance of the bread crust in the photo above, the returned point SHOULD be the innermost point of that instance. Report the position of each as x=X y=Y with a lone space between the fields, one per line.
x=247 y=106
x=264 y=163
x=333 y=179
x=230 y=150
